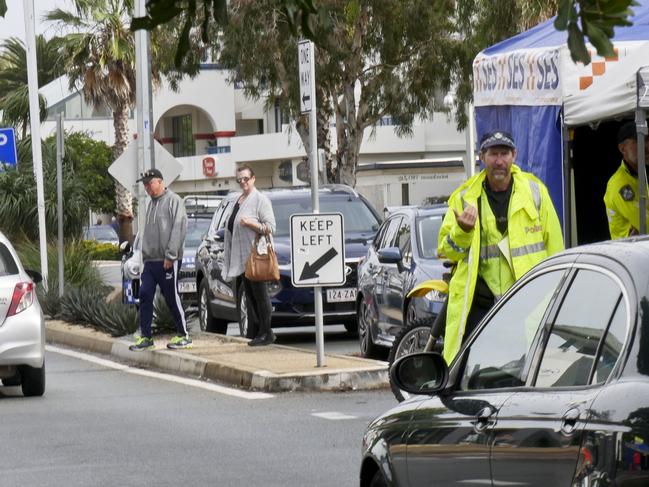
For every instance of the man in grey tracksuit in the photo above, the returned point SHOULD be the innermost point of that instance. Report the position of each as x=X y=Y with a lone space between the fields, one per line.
x=163 y=237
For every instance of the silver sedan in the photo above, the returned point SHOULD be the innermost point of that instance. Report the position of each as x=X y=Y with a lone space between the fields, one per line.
x=22 y=327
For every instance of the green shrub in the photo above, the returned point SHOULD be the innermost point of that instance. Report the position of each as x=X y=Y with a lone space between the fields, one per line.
x=101 y=251
x=163 y=320
x=77 y=270
x=89 y=306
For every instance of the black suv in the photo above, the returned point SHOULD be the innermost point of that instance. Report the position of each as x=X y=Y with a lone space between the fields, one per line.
x=219 y=304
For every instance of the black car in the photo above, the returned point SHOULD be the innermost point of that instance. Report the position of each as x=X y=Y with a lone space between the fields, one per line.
x=552 y=389
x=219 y=304
x=401 y=256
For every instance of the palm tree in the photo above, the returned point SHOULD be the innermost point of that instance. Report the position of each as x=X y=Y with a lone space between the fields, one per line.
x=99 y=55
x=14 y=92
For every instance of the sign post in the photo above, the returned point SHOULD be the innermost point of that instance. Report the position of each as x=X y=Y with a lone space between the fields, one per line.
x=306 y=64
x=8 y=153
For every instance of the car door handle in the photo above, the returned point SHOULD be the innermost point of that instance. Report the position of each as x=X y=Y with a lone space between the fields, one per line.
x=569 y=421
x=483 y=419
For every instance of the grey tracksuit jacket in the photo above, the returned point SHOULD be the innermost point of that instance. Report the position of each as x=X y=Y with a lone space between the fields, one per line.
x=165 y=228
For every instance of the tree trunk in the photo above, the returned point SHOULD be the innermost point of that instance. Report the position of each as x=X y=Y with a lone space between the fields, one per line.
x=123 y=198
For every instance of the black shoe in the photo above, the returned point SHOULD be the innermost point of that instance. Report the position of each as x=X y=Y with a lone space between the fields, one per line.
x=261 y=340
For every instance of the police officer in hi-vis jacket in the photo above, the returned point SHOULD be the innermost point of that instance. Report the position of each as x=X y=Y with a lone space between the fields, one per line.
x=500 y=223
x=621 y=198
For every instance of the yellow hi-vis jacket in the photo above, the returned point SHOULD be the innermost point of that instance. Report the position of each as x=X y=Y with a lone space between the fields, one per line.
x=534 y=233
x=623 y=203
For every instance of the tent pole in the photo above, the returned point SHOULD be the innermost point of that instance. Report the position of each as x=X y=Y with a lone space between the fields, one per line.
x=641 y=131
x=567 y=200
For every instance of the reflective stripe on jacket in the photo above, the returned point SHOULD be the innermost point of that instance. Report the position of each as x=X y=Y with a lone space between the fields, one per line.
x=623 y=203
x=534 y=233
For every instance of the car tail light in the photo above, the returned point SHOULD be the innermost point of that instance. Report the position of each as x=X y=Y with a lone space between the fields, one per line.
x=22 y=299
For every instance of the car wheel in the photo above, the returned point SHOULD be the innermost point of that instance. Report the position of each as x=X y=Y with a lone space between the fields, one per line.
x=367 y=319
x=351 y=327
x=244 y=328
x=32 y=380
x=411 y=339
x=411 y=313
x=206 y=320
x=378 y=480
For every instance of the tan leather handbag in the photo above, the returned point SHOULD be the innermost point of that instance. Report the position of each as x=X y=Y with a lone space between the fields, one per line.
x=262 y=267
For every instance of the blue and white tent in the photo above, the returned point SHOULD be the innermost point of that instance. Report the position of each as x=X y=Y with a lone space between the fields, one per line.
x=529 y=85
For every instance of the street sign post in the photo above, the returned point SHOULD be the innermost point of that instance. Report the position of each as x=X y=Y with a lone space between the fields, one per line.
x=8 y=153
x=317 y=250
x=307 y=86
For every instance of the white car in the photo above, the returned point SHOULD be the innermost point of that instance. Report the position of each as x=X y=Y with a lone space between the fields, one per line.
x=22 y=327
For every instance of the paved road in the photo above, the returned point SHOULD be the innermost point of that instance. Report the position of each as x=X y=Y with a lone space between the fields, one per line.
x=101 y=426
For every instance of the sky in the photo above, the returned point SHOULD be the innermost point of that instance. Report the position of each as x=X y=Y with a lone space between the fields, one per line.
x=13 y=23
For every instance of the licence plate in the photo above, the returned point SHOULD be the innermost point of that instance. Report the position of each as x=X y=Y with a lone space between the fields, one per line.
x=187 y=287
x=341 y=295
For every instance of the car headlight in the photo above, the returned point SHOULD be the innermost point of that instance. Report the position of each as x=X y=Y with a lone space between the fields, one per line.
x=435 y=295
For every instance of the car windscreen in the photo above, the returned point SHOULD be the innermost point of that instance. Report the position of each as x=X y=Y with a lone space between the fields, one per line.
x=195 y=231
x=7 y=263
x=357 y=216
x=427 y=232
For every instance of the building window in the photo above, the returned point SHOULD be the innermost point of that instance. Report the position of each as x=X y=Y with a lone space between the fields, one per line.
x=183 y=136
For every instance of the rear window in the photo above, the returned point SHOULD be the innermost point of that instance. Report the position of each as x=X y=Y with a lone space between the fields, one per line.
x=357 y=216
x=7 y=263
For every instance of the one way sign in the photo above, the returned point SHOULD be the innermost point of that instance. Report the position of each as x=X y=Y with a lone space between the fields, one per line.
x=317 y=249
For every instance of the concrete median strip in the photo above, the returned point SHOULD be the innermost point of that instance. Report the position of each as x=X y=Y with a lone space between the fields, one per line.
x=274 y=368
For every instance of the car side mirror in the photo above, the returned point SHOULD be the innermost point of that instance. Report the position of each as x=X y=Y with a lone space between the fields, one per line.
x=34 y=275
x=420 y=373
x=220 y=235
x=125 y=247
x=391 y=255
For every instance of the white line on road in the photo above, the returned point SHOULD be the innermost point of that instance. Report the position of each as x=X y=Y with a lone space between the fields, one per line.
x=333 y=416
x=157 y=375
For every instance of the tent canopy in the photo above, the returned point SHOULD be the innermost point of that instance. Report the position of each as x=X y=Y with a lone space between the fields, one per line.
x=529 y=85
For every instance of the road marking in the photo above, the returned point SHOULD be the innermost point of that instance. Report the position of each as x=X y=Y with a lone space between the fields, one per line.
x=333 y=416
x=158 y=375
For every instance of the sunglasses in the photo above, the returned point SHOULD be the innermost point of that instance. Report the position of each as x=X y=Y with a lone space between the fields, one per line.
x=244 y=179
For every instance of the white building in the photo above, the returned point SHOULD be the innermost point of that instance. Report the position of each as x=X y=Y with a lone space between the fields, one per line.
x=210 y=127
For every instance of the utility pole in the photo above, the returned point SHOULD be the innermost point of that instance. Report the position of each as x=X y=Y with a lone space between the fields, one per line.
x=35 y=128
x=144 y=108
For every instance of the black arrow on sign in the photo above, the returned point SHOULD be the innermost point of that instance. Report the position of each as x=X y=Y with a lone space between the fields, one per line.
x=311 y=270
x=305 y=98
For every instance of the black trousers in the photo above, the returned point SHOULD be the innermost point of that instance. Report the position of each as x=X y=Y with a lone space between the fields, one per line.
x=478 y=311
x=258 y=306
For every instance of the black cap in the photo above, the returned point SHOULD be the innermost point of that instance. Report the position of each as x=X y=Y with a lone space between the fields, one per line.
x=496 y=138
x=147 y=176
x=627 y=131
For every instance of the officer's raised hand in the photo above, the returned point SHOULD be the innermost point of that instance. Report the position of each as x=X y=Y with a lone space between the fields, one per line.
x=467 y=218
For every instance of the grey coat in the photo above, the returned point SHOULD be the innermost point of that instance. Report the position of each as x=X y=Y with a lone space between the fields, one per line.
x=165 y=228
x=237 y=244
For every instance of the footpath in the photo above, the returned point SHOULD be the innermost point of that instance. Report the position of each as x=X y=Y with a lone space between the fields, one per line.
x=229 y=360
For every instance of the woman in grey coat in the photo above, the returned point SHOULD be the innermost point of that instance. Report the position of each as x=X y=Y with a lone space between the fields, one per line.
x=251 y=215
